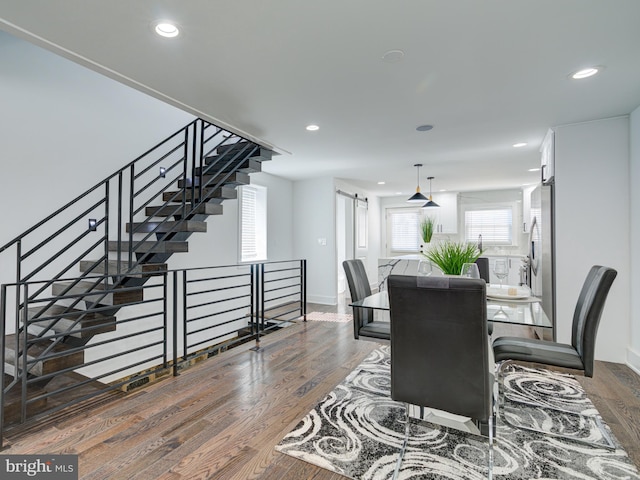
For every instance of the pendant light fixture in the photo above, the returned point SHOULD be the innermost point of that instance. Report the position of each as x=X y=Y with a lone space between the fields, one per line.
x=417 y=197
x=430 y=203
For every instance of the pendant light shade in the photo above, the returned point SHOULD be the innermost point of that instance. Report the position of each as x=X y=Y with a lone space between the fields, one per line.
x=417 y=197
x=430 y=203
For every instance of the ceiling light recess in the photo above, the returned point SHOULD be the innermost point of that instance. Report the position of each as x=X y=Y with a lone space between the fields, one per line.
x=520 y=145
x=312 y=128
x=586 y=72
x=167 y=29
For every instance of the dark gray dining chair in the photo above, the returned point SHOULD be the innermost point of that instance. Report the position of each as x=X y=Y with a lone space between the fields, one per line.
x=579 y=354
x=364 y=324
x=483 y=268
x=440 y=353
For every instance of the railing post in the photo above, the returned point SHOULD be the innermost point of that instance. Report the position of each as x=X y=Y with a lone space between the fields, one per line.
x=262 y=301
x=165 y=320
x=119 y=246
x=256 y=281
x=3 y=318
x=252 y=298
x=175 y=324
x=303 y=282
x=23 y=352
x=200 y=157
x=184 y=315
x=185 y=171
x=106 y=231
x=131 y=208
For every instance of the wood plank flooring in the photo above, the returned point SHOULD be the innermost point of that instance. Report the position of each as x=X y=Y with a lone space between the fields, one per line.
x=222 y=418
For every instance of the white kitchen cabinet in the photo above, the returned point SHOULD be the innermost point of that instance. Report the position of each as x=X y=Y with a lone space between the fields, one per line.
x=446 y=215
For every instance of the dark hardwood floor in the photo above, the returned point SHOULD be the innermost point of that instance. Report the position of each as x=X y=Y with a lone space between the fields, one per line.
x=222 y=418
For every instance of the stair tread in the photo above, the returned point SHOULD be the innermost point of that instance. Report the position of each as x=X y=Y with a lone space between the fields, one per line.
x=151 y=247
x=236 y=178
x=165 y=227
x=224 y=192
x=173 y=210
x=62 y=319
x=48 y=365
x=94 y=292
x=246 y=150
x=246 y=165
x=137 y=270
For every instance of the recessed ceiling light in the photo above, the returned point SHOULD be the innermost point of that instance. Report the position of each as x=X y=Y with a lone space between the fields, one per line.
x=399 y=193
x=381 y=183
x=443 y=189
x=312 y=128
x=167 y=29
x=534 y=169
x=586 y=73
x=521 y=144
x=424 y=128
x=393 y=56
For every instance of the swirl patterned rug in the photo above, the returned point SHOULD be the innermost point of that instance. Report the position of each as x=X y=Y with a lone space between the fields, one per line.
x=357 y=431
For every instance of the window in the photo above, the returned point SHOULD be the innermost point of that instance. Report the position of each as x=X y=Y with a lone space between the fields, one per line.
x=403 y=230
x=494 y=224
x=253 y=223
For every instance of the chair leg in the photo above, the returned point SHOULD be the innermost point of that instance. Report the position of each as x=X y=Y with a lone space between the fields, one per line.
x=407 y=431
x=501 y=405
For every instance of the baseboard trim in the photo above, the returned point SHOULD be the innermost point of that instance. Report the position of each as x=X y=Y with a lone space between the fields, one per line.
x=633 y=360
x=322 y=299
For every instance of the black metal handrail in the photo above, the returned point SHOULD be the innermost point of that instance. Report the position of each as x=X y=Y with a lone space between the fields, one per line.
x=58 y=243
x=173 y=320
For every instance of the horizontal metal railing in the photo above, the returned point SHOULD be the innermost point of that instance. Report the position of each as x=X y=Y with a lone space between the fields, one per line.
x=173 y=320
x=82 y=229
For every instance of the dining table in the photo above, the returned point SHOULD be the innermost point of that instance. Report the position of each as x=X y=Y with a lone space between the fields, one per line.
x=519 y=309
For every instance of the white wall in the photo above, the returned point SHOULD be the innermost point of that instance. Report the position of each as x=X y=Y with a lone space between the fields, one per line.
x=592 y=225
x=63 y=129
x=633 y=353
x=314 y=219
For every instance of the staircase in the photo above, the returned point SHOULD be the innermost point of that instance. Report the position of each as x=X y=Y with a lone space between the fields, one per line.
x=162 y=198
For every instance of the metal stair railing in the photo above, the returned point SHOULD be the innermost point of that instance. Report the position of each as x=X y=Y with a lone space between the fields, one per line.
x=183 y=317
x=81 y=229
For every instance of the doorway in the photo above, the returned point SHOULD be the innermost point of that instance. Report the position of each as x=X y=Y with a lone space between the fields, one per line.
x=351 y=233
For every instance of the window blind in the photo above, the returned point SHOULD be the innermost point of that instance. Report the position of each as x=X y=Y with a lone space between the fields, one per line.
x=405 y=234
x=495 y=226
x=253 y=223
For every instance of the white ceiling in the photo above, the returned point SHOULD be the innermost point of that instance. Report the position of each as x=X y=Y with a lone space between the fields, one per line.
x=485 y=73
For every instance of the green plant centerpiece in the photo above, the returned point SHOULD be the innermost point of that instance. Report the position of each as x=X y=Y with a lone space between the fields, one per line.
x=450 y=256
x=427 y=225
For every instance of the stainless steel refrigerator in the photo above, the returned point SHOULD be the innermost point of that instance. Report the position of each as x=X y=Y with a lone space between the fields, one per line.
x=541 y=248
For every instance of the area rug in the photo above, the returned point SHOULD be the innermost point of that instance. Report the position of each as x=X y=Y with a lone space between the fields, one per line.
x=357 y=431
x=329 y=317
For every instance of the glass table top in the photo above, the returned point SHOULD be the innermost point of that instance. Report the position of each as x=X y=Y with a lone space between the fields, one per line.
x=520 y=312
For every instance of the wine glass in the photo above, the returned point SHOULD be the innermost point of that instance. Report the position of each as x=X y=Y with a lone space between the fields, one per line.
x=501 y=269
x=424 y=268
x=470 y=270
